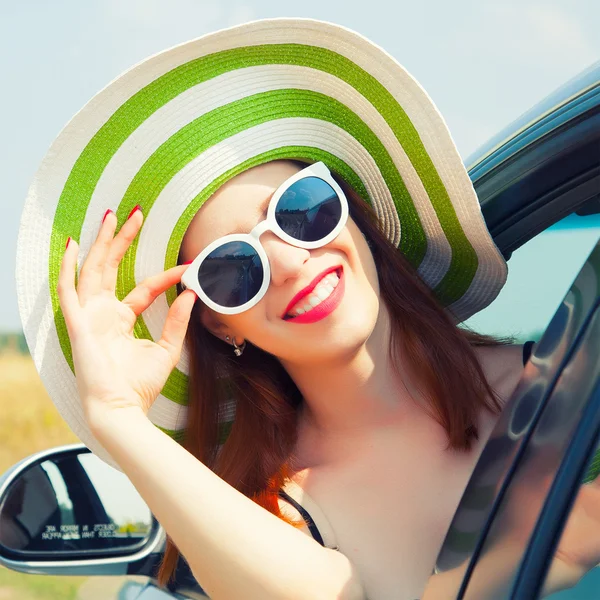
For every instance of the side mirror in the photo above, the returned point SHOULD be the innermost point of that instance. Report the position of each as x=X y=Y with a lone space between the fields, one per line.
x=66 y=512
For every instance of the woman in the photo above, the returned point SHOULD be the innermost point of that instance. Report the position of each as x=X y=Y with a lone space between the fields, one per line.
x=360 y=424
x=355 y=393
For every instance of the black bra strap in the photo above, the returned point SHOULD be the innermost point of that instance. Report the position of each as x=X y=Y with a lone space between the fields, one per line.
x=307 y=518
x=527 y=348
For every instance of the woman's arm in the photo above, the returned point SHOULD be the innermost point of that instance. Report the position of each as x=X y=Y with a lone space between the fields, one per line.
x=234 y=547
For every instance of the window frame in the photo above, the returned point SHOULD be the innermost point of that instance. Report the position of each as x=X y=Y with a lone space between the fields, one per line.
x=544 y=166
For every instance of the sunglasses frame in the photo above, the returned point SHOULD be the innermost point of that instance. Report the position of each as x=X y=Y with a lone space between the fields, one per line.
x=189 y=280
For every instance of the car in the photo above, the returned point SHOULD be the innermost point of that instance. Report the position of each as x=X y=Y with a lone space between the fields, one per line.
x=65 y=512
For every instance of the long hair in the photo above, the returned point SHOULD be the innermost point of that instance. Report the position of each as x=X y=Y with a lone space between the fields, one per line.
x=256 y=456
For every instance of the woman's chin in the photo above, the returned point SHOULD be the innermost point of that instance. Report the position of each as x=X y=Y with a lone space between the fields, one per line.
x=338 y=337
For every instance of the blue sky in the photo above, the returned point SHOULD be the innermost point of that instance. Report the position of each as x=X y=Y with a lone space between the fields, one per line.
x=483 y=63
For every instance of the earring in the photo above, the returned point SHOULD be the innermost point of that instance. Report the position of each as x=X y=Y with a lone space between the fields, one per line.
x=237 y=350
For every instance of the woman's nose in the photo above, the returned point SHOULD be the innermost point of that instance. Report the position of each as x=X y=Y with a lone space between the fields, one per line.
x=286 y=261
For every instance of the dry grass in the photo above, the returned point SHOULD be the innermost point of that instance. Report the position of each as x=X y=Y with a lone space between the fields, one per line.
x=29 y=422
x=21 y=586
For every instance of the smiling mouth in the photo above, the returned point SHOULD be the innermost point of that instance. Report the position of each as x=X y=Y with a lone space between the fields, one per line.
x=320 y=294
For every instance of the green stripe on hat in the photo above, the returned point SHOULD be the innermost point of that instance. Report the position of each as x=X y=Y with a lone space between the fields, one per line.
x=179 y=434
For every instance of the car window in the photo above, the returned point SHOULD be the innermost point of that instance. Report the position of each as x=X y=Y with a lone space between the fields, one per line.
x=539 y=275
x=587 y=503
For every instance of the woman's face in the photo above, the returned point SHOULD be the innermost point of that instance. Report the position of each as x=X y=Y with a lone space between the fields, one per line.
x=236 y=208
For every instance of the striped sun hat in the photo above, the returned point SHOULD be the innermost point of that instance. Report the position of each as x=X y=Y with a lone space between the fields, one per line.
x=172 y=129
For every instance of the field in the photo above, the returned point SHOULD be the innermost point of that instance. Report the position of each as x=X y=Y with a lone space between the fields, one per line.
x=29 y=423
x=29 y=420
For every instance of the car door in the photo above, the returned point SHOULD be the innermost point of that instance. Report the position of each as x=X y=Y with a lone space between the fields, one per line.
x=539 y=187
x=538 y=470
x=549 y=490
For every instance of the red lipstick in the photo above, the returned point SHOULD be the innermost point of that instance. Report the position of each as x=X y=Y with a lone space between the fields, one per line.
x=323 y=309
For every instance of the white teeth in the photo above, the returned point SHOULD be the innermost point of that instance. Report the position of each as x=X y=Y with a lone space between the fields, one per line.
x=333 y=279
x=320 y=293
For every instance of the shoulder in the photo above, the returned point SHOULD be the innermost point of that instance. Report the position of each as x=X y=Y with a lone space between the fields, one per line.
x=502 y=366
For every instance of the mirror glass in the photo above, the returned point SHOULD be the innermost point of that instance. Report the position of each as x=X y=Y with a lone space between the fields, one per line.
x=73 y=503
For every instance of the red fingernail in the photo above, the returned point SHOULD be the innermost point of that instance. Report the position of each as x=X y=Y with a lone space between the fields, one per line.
x=189 y=262
x=137 y=207
x=68 y=242
x=106 y=214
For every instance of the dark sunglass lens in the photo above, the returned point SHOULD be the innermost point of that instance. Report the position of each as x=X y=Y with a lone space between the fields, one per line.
x=231 y=274
x=309 y=210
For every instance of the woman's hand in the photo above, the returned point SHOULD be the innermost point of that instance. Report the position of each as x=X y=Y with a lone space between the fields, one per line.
x=113 y=368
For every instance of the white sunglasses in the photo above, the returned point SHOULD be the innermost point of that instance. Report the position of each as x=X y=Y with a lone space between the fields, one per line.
x=233 y=273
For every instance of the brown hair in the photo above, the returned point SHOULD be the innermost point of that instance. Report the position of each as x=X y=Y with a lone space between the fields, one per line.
x=256 y=456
